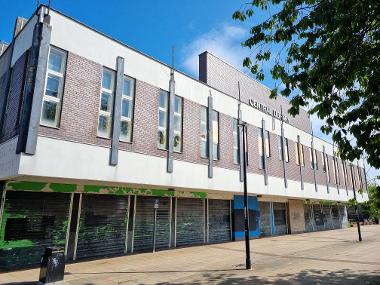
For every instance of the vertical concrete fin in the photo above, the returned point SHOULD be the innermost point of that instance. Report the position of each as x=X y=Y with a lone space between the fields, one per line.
x=169 y=162
x=365 y=177
x=313 y=161
x=326 y=169
x=39 y=85
x=116 y=114
x=210 y=136
x=240 y=138
x=283 y=150
x=263 y=135
x=303 y=159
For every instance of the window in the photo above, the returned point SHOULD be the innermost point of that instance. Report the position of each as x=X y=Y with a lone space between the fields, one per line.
x=235 y=134
x=215 y=133
x=300 y=159
x=327 y=169
x=335 y=162
x=323 y=162
x=311 y=158
x=106 y=101
x=177 y=146
x=260 y=144
x=267 y=144
x=204 y=131
x=286 y=149
x=315 y=159
x=51 y=106
x=127 y=109
x=162 y=119
x=163 y=122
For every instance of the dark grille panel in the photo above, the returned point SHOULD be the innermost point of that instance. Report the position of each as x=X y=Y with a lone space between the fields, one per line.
x=144 y=224
x=190 y=221
x=219 y=220
x=265 y=219
x=32 y=221
x=102 y=226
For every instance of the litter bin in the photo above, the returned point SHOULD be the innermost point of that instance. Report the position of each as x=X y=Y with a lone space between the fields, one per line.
x=52 y=265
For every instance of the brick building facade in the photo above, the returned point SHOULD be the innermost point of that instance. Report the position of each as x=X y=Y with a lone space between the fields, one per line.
x=85 y=188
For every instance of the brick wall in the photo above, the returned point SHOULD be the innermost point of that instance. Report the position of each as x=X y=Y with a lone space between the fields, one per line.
x=10 y=126
x=79 y=119
x=224 y=77
x=296 y=216
x=275 y=166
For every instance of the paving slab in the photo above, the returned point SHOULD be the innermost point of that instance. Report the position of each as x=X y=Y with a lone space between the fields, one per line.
x=327 y=257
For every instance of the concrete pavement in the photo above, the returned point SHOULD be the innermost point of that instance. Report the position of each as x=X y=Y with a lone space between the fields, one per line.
x=329 y=257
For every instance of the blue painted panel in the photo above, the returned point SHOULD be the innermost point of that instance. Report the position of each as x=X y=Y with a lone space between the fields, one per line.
x=238 y=208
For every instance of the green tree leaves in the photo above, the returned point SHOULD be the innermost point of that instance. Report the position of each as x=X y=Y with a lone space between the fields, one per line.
x=332 y=59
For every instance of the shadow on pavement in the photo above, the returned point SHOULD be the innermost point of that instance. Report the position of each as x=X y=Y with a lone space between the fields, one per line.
x=310 y=277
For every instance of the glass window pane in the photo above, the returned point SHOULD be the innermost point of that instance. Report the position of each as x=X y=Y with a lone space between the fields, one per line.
x=106 y=81
x=125 y=128
x=105 y=102
x=104 y=125
x=177 y=142
x=163 y=99
x=177 y=123
x=161 y=139
x=127 y=87
x=125 y=108
x=55 y=61
x=49 y=112
x=203 y=148
x=52 y=85
x=162 y=119
x=215 y=151
x=178 y=105
x=204 y=114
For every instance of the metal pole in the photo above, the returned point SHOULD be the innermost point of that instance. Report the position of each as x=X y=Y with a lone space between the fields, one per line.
x=154 y=229
x=356 y=205
x=77 y=229
x=69 y=224
x=127 y=225
x=2 y=206
x=248 y=263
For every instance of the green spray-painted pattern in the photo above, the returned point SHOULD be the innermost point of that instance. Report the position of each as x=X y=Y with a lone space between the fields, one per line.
x=14 y=243
x=127 y=191
x=40 y=186
x=63 y=188
x=200 y=195
x=27 y=185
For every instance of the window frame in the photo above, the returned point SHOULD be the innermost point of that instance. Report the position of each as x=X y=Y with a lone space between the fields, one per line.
x=131 y=100
x=217 y=145
x=111 y=93
x=166 y=129
x=235 y=135
x=51 y=99
x=160 y=128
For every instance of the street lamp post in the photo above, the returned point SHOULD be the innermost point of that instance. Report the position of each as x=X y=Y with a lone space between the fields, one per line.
x=356 y=205
x=248 y=263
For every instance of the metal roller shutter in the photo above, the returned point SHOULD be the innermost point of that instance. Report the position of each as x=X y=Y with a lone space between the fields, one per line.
x=318 y=218
x=335 y=217
x=265 y=219
x=31 y=222
x=102 y=228
x=279 y=213
x=309 y=221
x=144 y=223
x=219 y=220
x=327 y=218
x=190 y=227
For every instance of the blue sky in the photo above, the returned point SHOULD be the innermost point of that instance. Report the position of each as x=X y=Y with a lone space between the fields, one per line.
x=153 y=27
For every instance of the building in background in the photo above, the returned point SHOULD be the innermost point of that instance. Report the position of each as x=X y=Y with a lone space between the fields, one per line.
x=106 y=151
